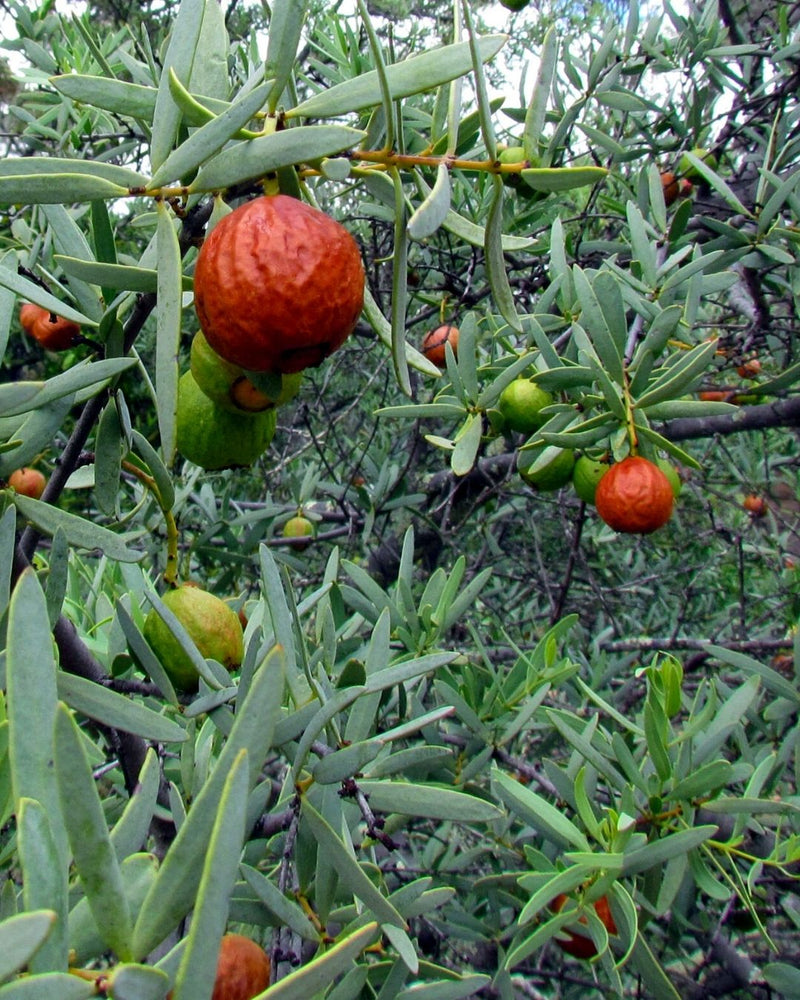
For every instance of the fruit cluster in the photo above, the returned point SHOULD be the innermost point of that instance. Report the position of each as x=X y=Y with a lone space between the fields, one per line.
x=278 y=286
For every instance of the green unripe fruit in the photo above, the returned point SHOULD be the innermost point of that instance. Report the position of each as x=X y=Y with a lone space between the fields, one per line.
x=672 y=475
x=687 y=169
x=300 y=531
x=213 y=626
x=214 y=438
x=554 y=475
x=515 y=4
x=586 y=474
x=521 y=403
x=228 y=385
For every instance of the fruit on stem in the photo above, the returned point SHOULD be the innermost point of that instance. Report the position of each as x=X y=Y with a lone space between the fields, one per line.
x=28 y=482
x=54 y=333
x=216 y=438
x=213 y=626
x=300 y=531
x=552 y=476
x=228 y=385
x=634 y=496
x=586 y=474
x=433 y=344
x=278 y=285
x=521 y=403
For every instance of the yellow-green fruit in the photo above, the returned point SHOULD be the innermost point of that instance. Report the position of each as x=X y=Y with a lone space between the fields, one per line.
x=228 y=385
x=554 y=475
x=521 y=403
x=214 y=438
x=687 y=169
x=672 y=475
x=586 y=474
x=300 y=530
x=213 y=626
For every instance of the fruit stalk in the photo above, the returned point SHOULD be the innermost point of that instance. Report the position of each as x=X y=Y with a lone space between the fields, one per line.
x=171 y=569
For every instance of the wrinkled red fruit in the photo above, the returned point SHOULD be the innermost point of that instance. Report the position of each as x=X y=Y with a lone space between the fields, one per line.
x=278 y=285
x=580 y=945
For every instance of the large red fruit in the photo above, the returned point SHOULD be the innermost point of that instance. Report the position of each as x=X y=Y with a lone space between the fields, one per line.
x=242 y=969
x=278 y=285
x=634 y=496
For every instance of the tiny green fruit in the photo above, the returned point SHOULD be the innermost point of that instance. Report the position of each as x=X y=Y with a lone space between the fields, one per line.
x=228 y=385
x=215 y=438
x=521 y=403
x=300 y=531
x=554 y=475
x=515 y=4
x=688 y=170
x=586 y=474
x=213 y=626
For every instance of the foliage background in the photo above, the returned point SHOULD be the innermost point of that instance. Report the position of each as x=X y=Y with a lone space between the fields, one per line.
x=481 y=696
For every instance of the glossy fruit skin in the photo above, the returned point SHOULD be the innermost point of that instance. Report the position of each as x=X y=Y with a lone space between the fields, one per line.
x=28 y=482
x=433 y=344
x=212 y=624
x=300 y=530
x=521 y=402
x=586 y=474
x=242 y=969
x=278 y=285
x=57 y=334
x=215 y=438
x=554 y=475
x=228 y=386
x=514 y=4
x=634 y=496
x=580 y=945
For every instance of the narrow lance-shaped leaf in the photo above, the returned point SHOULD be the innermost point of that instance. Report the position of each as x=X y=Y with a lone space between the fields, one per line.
x=431 y=213
x=77 y=530
x=32 y=703
x=285 y=29
x=537 y=109
x=412 y=76
x=198 y=965
x=350 y=872
x=44 y=880
x=400 y=286
x=20 y=937
x=168 y=329
x=209 y=139
x=180 y=55
x=93 y=853
x=495 y=262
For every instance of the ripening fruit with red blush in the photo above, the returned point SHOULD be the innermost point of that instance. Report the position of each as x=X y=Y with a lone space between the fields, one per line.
x=433 y=344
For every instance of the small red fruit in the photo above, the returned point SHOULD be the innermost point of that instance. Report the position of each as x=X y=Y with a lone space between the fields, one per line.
x=669 y=183
x=433 y=344
x=28 y=482
x=53 y=332
x=634 y=496
x=242 y=969
x=749 y=368
x=755 y=505
x=278 y=285
x=580 y=945
x=716 y=395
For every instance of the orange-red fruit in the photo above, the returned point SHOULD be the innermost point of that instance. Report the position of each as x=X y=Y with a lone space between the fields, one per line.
x=580 y=945
x=755 y=505
x=53 y=333
x=433 y=344
x=634 y=496
x=669 y=182
x=28 y=482
x=242 y=969
x=278 y=285
x=749 y=368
